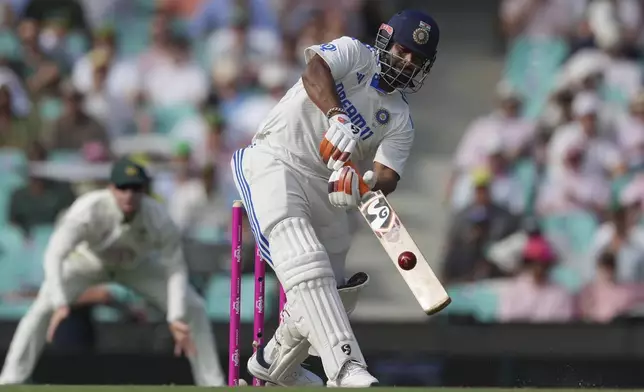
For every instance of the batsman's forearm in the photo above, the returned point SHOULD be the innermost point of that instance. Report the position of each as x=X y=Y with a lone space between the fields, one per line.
x=320 y=85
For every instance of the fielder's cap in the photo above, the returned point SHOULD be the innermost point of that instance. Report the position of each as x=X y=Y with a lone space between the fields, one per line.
x=126 y=172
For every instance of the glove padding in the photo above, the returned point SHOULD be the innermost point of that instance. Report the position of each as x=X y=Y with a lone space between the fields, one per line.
x=339 y=141
x=344 y=187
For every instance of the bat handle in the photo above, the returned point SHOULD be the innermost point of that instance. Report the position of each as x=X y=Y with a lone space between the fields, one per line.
x=363 y=188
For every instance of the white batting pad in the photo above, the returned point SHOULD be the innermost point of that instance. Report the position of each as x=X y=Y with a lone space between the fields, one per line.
x=314 y=309
x=349 y=294
x=298 y=256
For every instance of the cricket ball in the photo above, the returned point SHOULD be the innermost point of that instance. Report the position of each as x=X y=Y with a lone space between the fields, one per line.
x=407 y=260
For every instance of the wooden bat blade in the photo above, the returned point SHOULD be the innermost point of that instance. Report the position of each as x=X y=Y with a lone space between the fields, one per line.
x=395 y=239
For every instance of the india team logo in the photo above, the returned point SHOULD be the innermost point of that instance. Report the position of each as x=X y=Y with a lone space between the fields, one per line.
x=383 y=116
x=421 y=34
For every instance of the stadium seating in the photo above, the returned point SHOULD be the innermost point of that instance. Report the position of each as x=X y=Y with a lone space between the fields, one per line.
x=218 y=297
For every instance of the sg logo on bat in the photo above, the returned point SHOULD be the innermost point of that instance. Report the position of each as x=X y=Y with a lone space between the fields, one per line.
x=378 y=213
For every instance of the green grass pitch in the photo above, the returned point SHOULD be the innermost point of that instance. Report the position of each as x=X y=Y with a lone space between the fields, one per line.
x=125 y=388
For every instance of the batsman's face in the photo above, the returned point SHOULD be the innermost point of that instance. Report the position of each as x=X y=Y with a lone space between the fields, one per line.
x=128 y=198
x=405 y=60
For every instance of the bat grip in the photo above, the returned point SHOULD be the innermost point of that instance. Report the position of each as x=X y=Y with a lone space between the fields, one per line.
x=363 y=188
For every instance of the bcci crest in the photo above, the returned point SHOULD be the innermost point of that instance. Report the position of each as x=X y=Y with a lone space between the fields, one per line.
x=383 y=116
x=421 y=34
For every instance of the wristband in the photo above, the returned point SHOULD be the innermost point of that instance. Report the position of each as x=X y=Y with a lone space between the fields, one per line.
x=334 y=111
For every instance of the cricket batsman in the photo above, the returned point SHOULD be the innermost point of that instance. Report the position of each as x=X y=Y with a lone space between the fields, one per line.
x=121 y=235
x=298 y=182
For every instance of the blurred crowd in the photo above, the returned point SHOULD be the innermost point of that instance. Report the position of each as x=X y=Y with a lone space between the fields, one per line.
x=177 y=84
x=547 y=190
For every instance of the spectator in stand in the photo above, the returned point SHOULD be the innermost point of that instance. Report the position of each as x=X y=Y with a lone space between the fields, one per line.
x=621 y=76
x=204 y=133
x=217 y=14
x=41 y=10
x=607 y=297
x=601 y=156
x=179 y=81
x=40 y=70
x=629 y=132
x=531 y=296
x=110 y=84
x=250 y=113
x=616 y=17
x=473 y=228
x=16 y=131
x=249 y=47
x=40 y=201
x=157 y=52
x=539 y=18
x=624 y=238
x=572 y=189
x=504 y=124
x=185 y=189
x=497 y=174
x=507 y=254
x=75 y=126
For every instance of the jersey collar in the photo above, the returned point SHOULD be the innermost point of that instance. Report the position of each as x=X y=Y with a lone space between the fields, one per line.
x=375 y=82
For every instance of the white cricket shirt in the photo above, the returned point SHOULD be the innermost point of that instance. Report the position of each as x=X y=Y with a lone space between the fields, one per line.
x=93 y=230
x=295 y=127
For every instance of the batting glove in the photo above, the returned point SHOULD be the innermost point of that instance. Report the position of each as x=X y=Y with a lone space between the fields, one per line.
x=344 y=187
x=339 y=141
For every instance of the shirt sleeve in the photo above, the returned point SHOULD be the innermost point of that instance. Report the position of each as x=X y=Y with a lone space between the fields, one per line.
x=343 y=55
x=176 y=269
x=395 y=148
x=70 y=232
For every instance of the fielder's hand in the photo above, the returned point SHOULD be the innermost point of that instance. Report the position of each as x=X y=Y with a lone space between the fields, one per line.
x=183 y=343
x=59 y=315
x=345 y=188
x=339 y=141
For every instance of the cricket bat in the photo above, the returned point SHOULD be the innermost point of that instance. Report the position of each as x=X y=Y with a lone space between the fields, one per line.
x=402 y=249
x=404 y=252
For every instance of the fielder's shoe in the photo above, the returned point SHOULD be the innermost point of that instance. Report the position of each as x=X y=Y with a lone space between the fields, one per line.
x=259 y=368
x=353 y=375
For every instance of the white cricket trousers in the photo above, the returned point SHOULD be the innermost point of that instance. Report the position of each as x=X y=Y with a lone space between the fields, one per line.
x=147 y=279
x=273 y=190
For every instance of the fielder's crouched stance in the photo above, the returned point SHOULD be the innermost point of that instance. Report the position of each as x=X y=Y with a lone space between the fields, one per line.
x=297 y=184
x=118 y=234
